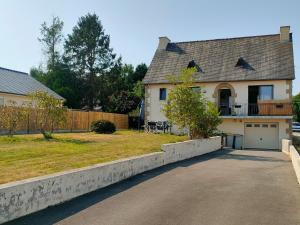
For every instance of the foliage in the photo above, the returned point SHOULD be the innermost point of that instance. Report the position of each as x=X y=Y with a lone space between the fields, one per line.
x=103 y=127
x=89 y=54
x=190 y=109
x=296 y=106
x=123 y=102
x=118 y=95
x=63 y=81
x=51 y=36
x=89 y=75
x=49 y=112
x=11 y=116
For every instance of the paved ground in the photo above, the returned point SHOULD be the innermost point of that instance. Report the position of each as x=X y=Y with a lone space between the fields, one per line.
x=221 y=188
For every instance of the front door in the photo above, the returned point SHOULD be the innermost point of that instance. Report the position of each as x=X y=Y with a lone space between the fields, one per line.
x=224 y=102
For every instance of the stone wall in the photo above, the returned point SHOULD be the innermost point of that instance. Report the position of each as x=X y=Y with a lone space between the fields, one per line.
x=27 y=196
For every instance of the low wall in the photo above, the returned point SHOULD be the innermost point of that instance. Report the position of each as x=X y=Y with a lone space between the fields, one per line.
x=27 y=196
x=188 y=149
x=289 y=149
x=286 y=145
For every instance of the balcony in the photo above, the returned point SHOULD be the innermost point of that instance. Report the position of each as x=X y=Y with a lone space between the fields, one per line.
x=262 y=108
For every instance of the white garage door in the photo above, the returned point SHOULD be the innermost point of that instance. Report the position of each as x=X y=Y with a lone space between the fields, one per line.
x=261 y=135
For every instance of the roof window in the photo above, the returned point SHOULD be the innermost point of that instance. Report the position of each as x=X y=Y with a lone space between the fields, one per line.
x=242 y=63
x=192 y=64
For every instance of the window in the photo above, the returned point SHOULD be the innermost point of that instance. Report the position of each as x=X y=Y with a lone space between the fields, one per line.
x=265 y=92
x=256 y=125
x=273 y=125
x=162 y=94
x=265 y=125
x=248 y=125
x=196 y=89
x=1 y=101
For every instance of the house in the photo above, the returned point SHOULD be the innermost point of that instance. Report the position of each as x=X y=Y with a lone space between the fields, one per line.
x=15 y=86
x=248 y=78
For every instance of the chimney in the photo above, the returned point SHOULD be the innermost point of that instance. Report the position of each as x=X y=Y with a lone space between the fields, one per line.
x=163 y=42
x=285 y=34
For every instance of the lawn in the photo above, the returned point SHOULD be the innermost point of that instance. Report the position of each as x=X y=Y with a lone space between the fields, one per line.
x=25 y=156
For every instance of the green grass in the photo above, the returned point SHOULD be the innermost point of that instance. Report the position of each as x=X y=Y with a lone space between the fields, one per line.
x=25 y=156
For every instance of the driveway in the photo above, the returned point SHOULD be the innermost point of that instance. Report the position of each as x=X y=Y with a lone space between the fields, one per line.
x=221 y=188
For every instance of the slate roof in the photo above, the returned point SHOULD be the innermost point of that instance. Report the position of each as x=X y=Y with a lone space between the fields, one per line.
x=19 y=83
x=266 y=56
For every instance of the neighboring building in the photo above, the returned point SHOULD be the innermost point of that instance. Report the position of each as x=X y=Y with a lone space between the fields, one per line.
x=16 y=86
x=248 y=78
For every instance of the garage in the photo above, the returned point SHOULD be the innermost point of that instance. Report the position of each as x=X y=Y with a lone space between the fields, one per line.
x=261 y=135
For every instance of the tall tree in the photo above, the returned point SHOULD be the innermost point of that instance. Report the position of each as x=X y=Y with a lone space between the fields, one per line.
x=296 y=106
x=88 y=52
x=51 y=37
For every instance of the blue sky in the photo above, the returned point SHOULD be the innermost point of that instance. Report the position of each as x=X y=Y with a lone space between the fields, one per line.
x=135 y=25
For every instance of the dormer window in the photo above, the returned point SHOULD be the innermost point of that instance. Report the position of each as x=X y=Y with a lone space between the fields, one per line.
x=242 y=63
x=192 y=64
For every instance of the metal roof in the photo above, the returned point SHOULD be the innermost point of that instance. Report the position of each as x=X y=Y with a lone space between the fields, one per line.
x=20 y=83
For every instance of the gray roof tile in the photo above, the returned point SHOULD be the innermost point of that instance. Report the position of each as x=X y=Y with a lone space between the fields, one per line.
x=15 y=82
x=269 y=58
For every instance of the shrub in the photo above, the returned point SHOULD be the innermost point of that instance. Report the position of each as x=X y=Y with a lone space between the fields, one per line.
x=190 y=109
x=49 y=112
x=103 y=127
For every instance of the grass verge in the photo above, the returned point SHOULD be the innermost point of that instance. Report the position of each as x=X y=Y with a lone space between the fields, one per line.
x=26 y=156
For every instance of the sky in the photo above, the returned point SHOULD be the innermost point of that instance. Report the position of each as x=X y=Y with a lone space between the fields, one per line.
x=135 y=25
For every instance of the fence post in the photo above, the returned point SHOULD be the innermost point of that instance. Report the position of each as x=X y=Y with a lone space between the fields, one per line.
x=72 y=121
x=28 y=123
x=88 y=127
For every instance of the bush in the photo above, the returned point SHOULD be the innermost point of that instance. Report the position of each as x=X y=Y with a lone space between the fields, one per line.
x=103 y=127
x=188 y=108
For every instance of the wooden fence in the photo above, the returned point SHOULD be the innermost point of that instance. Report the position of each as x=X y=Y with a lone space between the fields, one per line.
x=76 y=120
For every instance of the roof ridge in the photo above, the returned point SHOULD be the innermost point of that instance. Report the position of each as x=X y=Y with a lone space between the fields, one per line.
x=13 y=70
x=221 y=39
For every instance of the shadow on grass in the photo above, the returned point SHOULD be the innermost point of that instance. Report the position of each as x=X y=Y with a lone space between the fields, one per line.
x=63 y=140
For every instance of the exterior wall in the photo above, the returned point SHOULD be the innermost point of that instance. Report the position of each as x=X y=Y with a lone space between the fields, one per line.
x=19 y=99
x=282 y=91
x=237 y=126
x=24 y=197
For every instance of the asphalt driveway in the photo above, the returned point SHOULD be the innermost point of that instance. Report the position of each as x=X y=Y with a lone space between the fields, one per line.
x=220 y=188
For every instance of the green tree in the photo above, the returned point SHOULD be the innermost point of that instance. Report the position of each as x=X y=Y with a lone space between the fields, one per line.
x=51 y=37
x=122 y=102
x=296 y=106
x=88 y=52
x=49 y=112
x=189 y=109
x=61 y=80
x=139 y=73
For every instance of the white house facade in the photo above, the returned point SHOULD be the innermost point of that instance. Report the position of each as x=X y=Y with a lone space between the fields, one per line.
x=248 y=78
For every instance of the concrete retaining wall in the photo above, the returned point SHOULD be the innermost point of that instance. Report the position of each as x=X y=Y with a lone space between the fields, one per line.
x=24 y=197
x=286 y=145
x=289 y=149
x=188 y=149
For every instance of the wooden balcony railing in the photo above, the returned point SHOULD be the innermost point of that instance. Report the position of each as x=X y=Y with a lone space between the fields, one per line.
x=262 y=108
